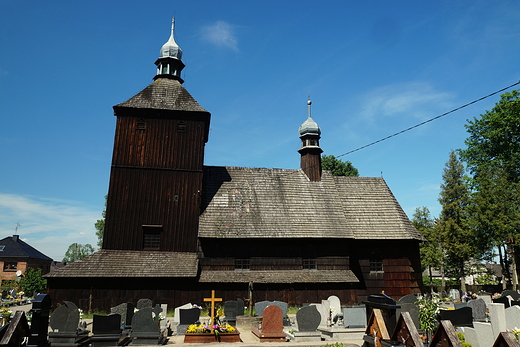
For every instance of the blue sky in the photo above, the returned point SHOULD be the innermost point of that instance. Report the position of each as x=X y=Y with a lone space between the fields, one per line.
x=372 y=68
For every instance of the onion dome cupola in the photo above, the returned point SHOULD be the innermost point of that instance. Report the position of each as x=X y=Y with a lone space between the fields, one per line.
x=169 y=64
x=310 y=161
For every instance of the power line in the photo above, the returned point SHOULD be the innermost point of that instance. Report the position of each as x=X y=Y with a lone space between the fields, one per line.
x=429 y=120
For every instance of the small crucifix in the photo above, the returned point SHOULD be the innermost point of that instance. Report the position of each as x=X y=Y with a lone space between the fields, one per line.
x=213 y=299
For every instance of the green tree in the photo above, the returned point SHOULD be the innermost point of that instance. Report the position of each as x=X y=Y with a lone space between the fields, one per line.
x=431 y=251
x=100 y=225
x=77 y=251
x=456 y=237
x=492 y=155
x=338 y=167
x=33 y=281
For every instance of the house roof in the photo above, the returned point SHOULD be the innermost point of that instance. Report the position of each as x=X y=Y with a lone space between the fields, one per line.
x=279 y=276
x=14 y=247
x=163 y=94
x=118 y=263
x=279 y=203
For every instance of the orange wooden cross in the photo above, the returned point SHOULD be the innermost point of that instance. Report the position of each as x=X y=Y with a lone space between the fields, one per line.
x=213 y=299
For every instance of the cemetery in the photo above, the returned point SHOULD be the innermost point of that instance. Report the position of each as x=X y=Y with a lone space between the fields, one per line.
x=444 y=319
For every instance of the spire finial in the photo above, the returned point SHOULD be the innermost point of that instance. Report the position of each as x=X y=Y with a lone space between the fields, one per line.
x=173 y=27
x=309 y=103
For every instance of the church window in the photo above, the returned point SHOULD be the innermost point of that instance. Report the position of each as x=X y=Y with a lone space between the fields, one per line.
x=181 y=127
x=10 y=266
x=165 y=69
x=141 y=124
x=241 y=263
x=152 y=237
x=309 y=263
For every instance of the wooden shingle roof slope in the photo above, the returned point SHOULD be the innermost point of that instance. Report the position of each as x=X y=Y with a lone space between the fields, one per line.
x=278 y=203
x=117 y=263
x=279 y=276
x=163 y=94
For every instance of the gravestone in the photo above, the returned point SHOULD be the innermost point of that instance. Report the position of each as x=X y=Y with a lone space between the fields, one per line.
x=260 y=307
x=512 y=315
x=445 y=336
x=484 y=333
x=355 y=317
x=145 y=328
x=4 y=294
x=408 y=304
x=405 y=331
x=454 y=294
x=307 y=321
x=187 y=317
x=463 y=317
x=324 y=313
x=504 y=300
x=126 y=311
x=144 y=303
x=64 y=324
x=497 y=317
x=177 y=315
x=230 y=311
x=40 y=311
x=478 y=308
x=272 y=325
x=506 y=339
x=335 y=308
x=458 y=305
x=486 y=298
x=470 y=335
x=241 y=307
x=106 y=330
x=512 y=293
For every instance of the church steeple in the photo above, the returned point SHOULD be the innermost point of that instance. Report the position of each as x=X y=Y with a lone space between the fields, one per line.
x=169 y=64
x=310 y=151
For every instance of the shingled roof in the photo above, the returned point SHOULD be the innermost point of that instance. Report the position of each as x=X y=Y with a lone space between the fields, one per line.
x=117 y=263
x=279 y=203
x=164 y=94
x=14 y=247
x=278 y=276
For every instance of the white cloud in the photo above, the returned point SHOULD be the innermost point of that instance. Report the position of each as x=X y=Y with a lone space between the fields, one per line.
x=220 y=34
x=414 y=99
x=49 y=225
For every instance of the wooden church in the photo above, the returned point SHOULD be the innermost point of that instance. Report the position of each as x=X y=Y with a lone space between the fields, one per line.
x=176 y=229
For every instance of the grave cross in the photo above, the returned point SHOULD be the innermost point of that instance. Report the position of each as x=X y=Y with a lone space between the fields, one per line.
x=213 y=299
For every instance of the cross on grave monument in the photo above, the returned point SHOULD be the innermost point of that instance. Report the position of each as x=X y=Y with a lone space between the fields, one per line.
x=213 y=299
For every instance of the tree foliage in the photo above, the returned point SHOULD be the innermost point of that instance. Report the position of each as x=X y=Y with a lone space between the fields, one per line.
x=455 y=235
x=493 y=158
x=100 y=225
x=77 y=251
x=431 y=251
x=338 y=167
x=33 y=281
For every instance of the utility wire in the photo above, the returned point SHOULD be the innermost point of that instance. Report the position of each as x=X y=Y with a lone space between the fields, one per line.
x=429 y=120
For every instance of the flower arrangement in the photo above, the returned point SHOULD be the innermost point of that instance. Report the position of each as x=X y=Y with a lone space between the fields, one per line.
x=428 y=312
x=515 y=331
x=198 y=329
x=5 y=312
x=496 y=296
x=471 y=296
x=223 y=328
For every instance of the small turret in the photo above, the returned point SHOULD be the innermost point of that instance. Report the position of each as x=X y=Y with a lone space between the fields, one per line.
x=169 y=64
x=310 y=151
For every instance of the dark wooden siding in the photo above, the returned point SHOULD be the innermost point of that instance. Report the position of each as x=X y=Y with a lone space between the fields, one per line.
x=103 y=293
x=140 y=197
x=310 y=163
x=156 y=179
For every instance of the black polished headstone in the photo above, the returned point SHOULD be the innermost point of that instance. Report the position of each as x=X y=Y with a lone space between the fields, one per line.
x=386 y=304
x=512 y=293
x=143 y=303
x=106 y=325
x=189 y=316
x=40 y=311
x=478 y=308
x=463 y=317
x=241 y=307
x=503 y=300
x=65 y=318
